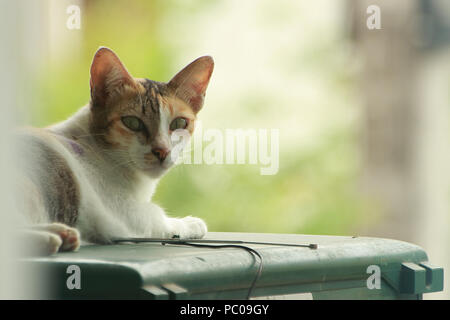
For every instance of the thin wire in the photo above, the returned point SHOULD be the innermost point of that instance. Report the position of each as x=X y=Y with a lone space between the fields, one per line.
x=206 y=243
x=166 y=240
x=248 y=249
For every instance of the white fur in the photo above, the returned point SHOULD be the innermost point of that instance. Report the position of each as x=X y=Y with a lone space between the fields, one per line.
x=115 y=201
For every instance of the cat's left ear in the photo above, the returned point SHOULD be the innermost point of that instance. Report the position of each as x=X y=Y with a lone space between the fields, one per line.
x=190 y=83
x=108 y=76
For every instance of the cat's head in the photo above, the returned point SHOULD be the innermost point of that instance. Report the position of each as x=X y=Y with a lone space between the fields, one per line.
x=134 y=119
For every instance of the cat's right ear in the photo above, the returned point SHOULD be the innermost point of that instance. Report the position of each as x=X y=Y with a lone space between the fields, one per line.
x=108 y=77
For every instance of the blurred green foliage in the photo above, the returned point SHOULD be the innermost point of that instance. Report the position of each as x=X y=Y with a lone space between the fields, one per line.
x=315 y=190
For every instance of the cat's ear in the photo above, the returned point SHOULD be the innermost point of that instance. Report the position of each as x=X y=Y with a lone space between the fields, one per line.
x=108 y=76
x=190 y=83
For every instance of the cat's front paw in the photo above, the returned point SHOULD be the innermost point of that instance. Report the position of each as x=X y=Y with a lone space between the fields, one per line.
x=192 y=228
x=70 y=237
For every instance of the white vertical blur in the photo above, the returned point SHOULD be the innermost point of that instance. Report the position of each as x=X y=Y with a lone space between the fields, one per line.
x=9 y=66
x=22 y=47
x=433 y=168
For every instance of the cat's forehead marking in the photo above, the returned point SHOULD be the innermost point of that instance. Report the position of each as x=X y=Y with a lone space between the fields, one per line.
x=150 y=104
x=152 y=101
x=152 y=96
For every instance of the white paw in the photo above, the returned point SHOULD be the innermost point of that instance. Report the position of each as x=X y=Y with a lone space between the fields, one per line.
x=193 y=228
x=70 y=237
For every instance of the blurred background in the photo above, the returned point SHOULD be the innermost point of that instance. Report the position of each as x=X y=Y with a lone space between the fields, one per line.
x=363 y=113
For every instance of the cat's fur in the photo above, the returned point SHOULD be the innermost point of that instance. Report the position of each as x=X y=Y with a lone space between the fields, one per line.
x=92 y=176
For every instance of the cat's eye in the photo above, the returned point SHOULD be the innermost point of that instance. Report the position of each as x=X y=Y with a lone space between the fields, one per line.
x=178 y=123
x=133 y=123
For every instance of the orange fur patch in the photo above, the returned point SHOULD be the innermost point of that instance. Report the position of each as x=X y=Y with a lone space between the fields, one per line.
x=180 y=108
x=118 y=136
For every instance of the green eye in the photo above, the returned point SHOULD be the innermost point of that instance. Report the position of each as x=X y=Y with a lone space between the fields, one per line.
x=178 y=123
x=133 y=123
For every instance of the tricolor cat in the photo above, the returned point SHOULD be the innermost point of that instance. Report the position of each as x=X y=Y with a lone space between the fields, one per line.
x=91 y=177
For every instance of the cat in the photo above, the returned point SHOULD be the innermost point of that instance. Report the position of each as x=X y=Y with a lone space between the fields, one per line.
x=90 y=178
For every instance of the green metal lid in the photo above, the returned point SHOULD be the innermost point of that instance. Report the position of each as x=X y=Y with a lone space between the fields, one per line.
x=337 y=268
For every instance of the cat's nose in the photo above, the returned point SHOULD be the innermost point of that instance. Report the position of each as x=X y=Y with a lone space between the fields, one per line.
x=160 y=153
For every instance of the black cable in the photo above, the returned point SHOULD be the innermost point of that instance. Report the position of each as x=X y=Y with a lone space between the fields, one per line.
x=248 y=249
x=206 y=243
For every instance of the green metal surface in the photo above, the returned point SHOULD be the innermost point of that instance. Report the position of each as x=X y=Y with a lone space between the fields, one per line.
x=337 y=269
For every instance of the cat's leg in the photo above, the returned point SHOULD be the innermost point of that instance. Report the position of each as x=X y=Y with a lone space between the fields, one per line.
x=100 y=226
x=70 y=237
x=37 y=242
x=155 y=223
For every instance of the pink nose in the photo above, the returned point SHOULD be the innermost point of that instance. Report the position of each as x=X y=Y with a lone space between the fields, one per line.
x=160 y=153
